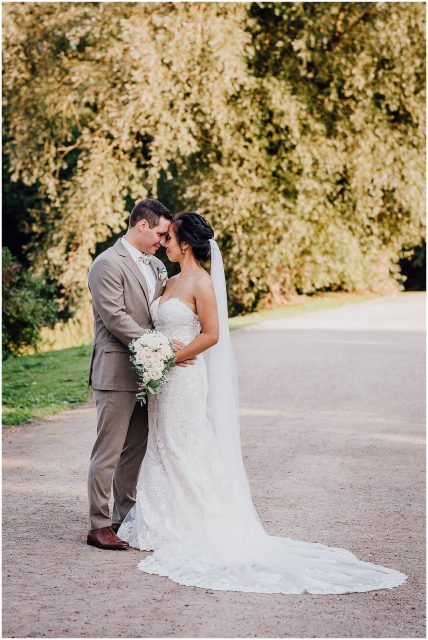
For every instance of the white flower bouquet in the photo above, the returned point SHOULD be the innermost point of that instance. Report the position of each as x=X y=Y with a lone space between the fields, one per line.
x=153 y=357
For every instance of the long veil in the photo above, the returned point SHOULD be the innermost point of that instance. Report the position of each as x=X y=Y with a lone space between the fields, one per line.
x=223 y=399
x=229 y=550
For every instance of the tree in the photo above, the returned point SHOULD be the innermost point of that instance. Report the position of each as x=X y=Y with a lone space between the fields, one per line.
x=352 y=75
x=296 y=128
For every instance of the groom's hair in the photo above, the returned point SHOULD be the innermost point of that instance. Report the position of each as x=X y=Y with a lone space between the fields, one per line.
x=150 y=210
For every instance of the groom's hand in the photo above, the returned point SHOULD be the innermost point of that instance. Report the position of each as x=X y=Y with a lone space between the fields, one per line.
x=176 y=346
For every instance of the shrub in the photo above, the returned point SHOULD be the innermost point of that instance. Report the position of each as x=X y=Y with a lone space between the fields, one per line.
x=28 y=306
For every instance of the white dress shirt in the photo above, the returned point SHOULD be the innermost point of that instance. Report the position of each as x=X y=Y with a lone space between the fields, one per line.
x=146 y=269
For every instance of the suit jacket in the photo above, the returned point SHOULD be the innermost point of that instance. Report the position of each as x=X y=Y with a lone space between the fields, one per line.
x=121 y=307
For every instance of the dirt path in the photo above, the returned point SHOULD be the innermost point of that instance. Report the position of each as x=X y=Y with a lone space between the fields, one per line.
x=332 y=411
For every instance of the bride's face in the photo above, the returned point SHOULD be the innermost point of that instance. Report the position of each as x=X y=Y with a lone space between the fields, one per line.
x=173 y=249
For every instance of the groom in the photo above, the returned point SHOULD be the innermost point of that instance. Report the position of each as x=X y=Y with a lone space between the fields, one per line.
x=123 y=280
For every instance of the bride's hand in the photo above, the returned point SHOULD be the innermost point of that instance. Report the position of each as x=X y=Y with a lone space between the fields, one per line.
x=176 y=346
x=186 y=363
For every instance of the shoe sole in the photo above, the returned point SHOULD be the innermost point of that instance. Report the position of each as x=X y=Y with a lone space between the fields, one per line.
x=107 y=548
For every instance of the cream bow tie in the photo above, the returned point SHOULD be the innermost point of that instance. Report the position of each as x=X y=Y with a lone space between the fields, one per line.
x=145 y=258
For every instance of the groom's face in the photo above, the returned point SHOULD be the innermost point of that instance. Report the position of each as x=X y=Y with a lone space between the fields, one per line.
x=153 y=238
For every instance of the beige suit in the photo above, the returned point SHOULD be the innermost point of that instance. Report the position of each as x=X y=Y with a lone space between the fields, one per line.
x=121 y=304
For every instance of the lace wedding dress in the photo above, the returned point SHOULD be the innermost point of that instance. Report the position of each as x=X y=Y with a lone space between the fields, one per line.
x=199 y=520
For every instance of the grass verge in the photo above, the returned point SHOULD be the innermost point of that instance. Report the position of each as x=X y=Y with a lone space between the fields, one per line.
x=39 y=385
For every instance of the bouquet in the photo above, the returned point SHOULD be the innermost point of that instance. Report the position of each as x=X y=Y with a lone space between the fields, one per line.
x=153 y=358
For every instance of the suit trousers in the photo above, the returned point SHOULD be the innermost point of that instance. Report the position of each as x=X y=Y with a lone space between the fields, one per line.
x=122 y=430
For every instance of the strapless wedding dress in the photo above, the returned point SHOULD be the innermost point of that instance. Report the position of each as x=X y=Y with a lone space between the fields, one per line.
x=185 y=511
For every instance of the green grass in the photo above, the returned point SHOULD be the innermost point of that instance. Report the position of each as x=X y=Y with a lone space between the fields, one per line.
x=40 y=385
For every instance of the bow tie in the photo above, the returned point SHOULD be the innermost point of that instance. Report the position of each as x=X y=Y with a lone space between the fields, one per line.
x=145 y=258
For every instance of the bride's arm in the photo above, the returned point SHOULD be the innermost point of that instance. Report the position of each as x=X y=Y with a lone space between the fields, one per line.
x=206 y=307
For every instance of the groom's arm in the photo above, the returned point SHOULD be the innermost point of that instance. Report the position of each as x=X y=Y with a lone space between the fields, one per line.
x=106 y=287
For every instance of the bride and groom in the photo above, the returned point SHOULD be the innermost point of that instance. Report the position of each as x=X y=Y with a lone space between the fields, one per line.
x=189 y=500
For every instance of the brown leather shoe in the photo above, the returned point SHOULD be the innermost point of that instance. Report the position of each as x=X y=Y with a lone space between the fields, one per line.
x=106 y=538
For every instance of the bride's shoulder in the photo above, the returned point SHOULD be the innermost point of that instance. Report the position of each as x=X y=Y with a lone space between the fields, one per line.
x=203 y=282
x=202 y=277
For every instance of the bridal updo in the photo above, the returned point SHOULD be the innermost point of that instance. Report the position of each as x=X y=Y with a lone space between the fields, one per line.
x=196 y=231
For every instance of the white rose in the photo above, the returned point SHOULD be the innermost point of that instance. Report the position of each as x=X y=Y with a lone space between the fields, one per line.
x=140 y=354
x=157 y=340
x=165 y=351
x=147 y=340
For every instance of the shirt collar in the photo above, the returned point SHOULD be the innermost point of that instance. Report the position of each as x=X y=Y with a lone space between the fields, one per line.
x=135 y=253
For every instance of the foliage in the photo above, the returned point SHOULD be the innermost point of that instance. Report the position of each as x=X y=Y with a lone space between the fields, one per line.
x=331 y=182
x=296 y=128
x=27 y=306
x=413 y=266
x=37 y=386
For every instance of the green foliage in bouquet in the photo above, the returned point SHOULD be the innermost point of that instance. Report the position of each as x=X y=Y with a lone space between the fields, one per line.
x=297 y=129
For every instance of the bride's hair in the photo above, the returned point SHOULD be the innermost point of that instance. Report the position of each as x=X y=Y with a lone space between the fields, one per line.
x=196 y=231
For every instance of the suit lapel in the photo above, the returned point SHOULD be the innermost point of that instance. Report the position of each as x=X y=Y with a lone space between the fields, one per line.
x=130 y=264
x=158 y=287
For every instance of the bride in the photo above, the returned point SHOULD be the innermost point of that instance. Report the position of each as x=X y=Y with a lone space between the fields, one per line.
x=193 y=506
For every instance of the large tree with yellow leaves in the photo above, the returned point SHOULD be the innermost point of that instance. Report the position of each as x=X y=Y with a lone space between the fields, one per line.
x=296 y=128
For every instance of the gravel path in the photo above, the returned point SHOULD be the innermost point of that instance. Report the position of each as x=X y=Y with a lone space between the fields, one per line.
x=332 y=408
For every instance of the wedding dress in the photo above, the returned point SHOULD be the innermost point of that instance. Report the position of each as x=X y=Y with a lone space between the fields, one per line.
x=193 y=505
